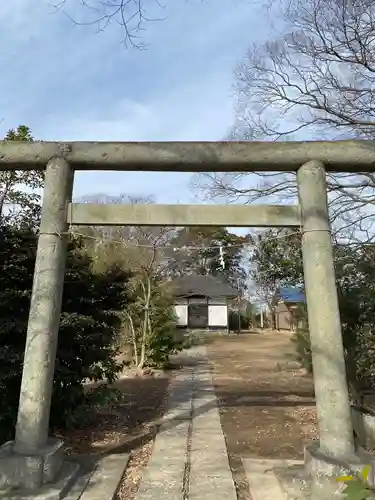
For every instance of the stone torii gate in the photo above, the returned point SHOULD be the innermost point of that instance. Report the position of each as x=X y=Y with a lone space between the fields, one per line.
x=34 y=459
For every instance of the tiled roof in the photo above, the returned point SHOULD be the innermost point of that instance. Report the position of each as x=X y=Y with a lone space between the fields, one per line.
x=208 y=286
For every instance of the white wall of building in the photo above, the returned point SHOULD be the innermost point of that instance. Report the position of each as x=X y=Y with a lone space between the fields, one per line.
x=218 y=316
x=217 y=311
x=181 y=310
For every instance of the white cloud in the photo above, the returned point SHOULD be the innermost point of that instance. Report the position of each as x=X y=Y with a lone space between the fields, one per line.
x=201 y=111
x=74 y=84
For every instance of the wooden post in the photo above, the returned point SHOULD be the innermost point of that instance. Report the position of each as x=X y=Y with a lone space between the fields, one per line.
x=331 y=389
x=44 y=318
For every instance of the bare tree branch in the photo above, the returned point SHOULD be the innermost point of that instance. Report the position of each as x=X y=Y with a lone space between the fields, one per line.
x=130 y=15
x=136 y=246
x=314 y=80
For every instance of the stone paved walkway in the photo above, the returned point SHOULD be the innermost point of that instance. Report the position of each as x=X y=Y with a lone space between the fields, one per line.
x=189 y=459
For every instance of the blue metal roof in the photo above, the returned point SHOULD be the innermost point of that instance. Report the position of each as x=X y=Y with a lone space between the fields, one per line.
x=291 y=294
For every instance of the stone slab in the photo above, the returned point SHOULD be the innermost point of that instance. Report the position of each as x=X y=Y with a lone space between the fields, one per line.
x=210 y=479
x=266 y=484
x=165 y=473
x=172 y=430
x=189 y=458
x=161 y=491
x=324 y=470
x=207 y=420
x=56 y=491
x=205 y=401
x=169 y=447
x=181 y=411
x=294 y=481
x=202 y=461
x=208 y=439
x=163 y=479
x=30 y=471
x=212 y=487
x=210 y=474
x=80 y=483
x=180 y=397
x=105 y=479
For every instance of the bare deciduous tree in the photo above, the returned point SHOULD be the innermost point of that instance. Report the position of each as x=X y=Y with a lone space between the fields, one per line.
x=130 y=15
x=315 y=80
x=127 y=244
x=139 y=250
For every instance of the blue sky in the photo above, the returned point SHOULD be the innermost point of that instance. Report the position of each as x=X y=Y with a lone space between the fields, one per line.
x=72 y=83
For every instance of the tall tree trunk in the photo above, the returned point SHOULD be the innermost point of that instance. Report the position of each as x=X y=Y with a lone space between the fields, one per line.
x=145 y=330
x=3 y=195
x=134 y=338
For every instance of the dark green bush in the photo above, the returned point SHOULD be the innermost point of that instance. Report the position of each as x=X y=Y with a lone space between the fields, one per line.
x=357 y=306
x=301 y=337
x=163 y=341
x=17 y=251
x=355 y=271
x=237 y=321
x=89 y=324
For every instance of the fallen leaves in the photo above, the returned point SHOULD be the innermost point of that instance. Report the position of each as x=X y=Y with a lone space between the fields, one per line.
x=265 y=412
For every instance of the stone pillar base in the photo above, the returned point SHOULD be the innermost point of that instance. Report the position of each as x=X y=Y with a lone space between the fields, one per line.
x=30 y=471
x=323 y=471
x=364 y=426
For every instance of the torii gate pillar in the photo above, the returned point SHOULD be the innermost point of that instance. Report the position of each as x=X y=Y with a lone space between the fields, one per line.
x=334 y=455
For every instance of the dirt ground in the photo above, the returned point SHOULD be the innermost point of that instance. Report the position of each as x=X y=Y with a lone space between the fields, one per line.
x=127 y=427
x=266 y=402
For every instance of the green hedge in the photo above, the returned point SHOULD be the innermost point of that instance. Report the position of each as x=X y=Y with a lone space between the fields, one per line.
x=89 y=324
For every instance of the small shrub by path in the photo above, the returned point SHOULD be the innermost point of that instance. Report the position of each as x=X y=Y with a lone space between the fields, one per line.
x=266 y=402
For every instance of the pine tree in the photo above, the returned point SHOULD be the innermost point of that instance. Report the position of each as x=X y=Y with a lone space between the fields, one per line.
x=19 y=205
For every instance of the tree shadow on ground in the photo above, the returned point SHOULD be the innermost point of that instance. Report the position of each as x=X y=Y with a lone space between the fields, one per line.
x=130 y=420
x=235 y=398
